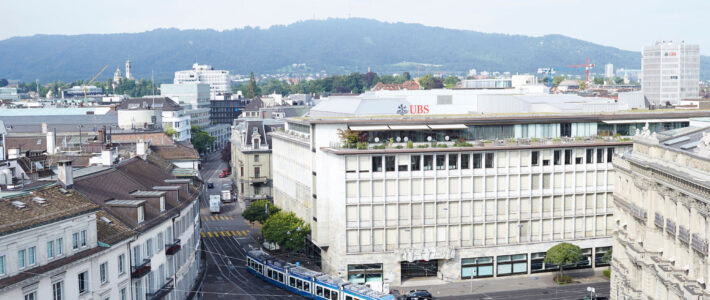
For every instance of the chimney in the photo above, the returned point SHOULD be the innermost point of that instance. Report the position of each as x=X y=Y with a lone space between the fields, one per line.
x=51 y=140
x=140 y=148
x=106 y=158
x=44 y=127
x=65 y=173
x=102 y=136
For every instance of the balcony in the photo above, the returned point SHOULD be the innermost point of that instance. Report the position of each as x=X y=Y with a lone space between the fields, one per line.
x=171 y=249
x=658 y=220
x=699 y=244
x=162 y=291
x=140 y=270
x=670 y=227
x=683 y=235
x=638 y=213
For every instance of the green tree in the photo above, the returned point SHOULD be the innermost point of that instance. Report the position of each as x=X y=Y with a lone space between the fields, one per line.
x=582 y=85
x=251 y=89
x=451 y=81
x=557 y=79
x=200 y=139
x=406 y=76
x=598 y=80
x=170 y=131
x=607 y=256
x=618 y=80
x=348 y=137
x=429 y=82
x=3 y=82
x=286 y=230
x=260 y=211
x=563 y=254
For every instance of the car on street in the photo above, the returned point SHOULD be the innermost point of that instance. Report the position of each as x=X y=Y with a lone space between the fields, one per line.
x=222 y=175
x=210 y=185
x=225 y=170
x=418 y=295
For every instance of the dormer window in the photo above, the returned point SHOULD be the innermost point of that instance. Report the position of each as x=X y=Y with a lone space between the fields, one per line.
x=141 y=216
x=162 y=203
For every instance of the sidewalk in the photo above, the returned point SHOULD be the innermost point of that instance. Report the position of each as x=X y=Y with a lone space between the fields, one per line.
x=441 y=288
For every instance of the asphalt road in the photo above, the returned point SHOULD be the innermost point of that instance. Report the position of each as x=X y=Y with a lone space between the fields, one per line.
x=567 y=292
x=227 y=237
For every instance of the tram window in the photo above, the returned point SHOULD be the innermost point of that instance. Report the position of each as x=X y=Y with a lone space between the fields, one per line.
x=292 y=282
x=268 y=273
x=281 y=277
x=326 y=294
x=319 y=290
x=306 y=286
x=349 y=298
x=299 y=285
x=334 y=295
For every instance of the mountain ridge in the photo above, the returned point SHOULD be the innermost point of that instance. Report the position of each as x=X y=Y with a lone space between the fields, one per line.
x=334 y=45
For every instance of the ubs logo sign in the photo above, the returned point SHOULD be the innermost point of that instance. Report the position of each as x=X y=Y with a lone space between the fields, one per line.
x=413 y=109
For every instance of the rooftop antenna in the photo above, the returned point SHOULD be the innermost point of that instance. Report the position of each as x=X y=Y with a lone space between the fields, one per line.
x=152 y=81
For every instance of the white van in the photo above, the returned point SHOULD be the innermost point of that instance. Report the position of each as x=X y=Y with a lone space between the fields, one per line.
x=215 y=204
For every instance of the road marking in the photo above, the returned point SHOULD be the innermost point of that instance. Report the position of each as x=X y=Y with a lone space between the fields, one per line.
x=247 y=230
x=212 y=217
x=245 y=234
x=222 y=232
x=209 y=234
x=239 y=233
x=234 y=233
x=203 y=234
x=228 y=234
x=223 y=218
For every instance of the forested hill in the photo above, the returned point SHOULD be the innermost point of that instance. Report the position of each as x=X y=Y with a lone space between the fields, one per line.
x=335 y=45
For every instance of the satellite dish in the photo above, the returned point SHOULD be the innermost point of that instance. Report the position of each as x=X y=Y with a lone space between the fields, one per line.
x=377 y=140
x=406 y=139
x=399 y=139
x=446 y=137
x=428 y=138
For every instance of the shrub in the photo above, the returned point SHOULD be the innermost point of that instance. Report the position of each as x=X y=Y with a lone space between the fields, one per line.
x=410 y=145
x=442 y=146
x=379 y=147
x=563 y=279
x=607 y=273
x=462 y=144
x=362 y=145
x=399 y=147
x=423 y=146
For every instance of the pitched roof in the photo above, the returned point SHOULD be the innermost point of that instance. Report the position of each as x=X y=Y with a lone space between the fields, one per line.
x=157 y=103
x=154 y=138
x=40 y=206
x=254 y=104
x=407 y=85
x=175 y=152
x=112 y=231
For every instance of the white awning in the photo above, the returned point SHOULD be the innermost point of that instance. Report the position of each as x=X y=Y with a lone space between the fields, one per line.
x=369 y=128
x=448 y=126
x=409 y=127
x=644 y=121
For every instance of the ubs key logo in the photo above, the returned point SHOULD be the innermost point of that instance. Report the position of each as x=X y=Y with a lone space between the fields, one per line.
x=401 y=110
x=413 y=109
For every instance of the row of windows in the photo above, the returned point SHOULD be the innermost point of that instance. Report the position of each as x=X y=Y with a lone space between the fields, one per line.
x=465 y=161
x=148 y=247
x=299 y=284
x=326 y=292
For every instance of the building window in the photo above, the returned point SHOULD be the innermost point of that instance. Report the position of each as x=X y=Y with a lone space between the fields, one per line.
x=31 y=295
x=377 y=164
x=256 y=158
x=75 y=240
x=257 y=172
x=535 y=158
x=489 y=160
x=512 y=264
x=590 y=156
x=50 y=249
x=453 y=161
x=83 y=279
x=599 y=255
x=465 y=164
x=122 y=294
x=389 y=163
x=60 y=245
x=557 y=157
x=441 y=162
x=416 y=163
x=58 y=290
x=137 y=255
x=365 y=273
x=600 y=155
x=609 y=154
x=83 y=238
x=31 y=256
x=149 y=248
x=21 y=259
x=2 y=265
x=160 y=242
x=568 y=156
x=103 y=272
x=121 y=264
x=140 y=215
x=477 y=161
x=428 y=162
x=478 y=267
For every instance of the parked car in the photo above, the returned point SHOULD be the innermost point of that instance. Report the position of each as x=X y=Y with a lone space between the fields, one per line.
x=222 y=175
x=419 y=295
x=210 y=185
x=225 y=170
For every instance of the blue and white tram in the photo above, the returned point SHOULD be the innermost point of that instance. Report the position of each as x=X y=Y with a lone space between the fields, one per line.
x=306 y=282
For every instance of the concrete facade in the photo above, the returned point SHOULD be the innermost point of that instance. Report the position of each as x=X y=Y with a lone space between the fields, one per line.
x=670 y=72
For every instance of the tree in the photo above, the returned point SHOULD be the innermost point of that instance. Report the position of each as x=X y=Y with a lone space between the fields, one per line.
x=599 y=81
x=607 y=256
x=260 y=211
x=251 y=89
x=451 y=81
x=170 y=131
x=3 y=82
x=563 y=254
x=348 y=137
x=618 y=80
x=582 y=85
x=557 y=79
x=429 y=82
x=286 y=230
x=227 y=153
x=200 y=139
x=406 y=76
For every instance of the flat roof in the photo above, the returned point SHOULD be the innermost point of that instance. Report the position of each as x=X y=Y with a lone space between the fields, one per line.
x=131 y=203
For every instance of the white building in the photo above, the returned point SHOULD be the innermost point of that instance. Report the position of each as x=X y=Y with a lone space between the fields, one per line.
x=194 y=94
x=661 y=227
x=671 y=72
x=449 y=190
x=129 y=75
x=609 y=71
x=152 y=112
x=56 y=244
x=217 y=79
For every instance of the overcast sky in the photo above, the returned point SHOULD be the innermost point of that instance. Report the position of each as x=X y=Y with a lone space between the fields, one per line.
x=626 y=24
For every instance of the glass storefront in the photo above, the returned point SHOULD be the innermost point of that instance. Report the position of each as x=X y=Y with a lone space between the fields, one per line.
x=420 y=268
x=598 y=256
x=365 y=273
x=512 y=264
x=478 y=267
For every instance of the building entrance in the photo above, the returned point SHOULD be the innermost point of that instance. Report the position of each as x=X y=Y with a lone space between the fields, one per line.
x=419 y=268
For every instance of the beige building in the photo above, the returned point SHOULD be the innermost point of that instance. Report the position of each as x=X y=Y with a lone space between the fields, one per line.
x=661 y=236
x=251 y=158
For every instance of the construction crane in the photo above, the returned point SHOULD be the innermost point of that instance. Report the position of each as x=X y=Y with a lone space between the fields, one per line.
x=586 y=67
x=549 y=72
x=94 y=78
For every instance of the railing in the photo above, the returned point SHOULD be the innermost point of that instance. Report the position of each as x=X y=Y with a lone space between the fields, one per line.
x=699 y=244
x=658 y=220
x=162 y=291
x=638 y=212
x=140 y=270
x=670 y=227
x=171 y=249
x=683 y=234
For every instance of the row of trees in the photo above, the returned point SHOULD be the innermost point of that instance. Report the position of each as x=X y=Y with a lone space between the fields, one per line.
x=282 y=228
x=133 y=88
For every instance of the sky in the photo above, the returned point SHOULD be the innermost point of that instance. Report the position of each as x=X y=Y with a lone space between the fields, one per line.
x=625 y=24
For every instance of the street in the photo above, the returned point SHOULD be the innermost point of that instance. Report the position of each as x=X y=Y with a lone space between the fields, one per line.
x=227 y=237
x=571 y=291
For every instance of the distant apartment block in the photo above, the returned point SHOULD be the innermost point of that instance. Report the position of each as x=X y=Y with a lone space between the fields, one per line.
x=671 y=72
x=218 y=80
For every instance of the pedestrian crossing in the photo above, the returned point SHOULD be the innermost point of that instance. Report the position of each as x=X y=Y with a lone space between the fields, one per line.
x=225 y=233
x=216 y=218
